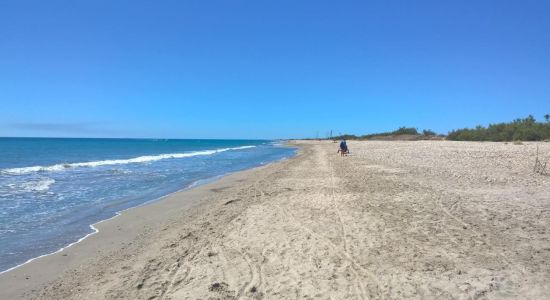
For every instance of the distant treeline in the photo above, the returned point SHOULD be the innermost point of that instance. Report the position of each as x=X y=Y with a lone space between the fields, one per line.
x=401 y=132
x=527 y=129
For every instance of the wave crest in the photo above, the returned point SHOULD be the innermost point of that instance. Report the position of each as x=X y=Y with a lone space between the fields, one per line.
x=140 y=159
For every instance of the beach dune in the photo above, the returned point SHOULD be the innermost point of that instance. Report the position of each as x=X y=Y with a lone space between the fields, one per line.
x=394 y=220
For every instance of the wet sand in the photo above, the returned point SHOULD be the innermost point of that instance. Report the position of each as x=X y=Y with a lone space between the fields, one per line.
x=419 y=220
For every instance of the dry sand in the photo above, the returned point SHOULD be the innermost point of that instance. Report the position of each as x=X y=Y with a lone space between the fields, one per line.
x=422 y=220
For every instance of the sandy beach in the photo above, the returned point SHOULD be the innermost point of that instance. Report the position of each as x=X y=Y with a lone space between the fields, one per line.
x=394 y=220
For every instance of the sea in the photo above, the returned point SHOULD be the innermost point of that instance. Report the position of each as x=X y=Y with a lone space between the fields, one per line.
x=52 y=190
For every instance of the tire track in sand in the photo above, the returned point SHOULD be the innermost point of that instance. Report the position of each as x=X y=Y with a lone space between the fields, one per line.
x=175 y=279
x=255 y=270
x=479 y=237
x=336 y=249
x=359 y=282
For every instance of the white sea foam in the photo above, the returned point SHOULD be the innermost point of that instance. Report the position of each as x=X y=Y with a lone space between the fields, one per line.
x=38 y=186
x=140 y=159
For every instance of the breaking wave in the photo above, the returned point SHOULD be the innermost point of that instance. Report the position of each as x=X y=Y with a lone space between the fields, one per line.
x=140 y=159
x=38 y=186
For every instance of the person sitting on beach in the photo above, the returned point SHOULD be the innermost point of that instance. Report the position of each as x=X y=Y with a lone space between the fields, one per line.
x=343 y=148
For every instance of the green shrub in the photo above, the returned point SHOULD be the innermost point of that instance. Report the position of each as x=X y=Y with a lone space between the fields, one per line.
x=405 y=130
x=428 y=132
x=346 y=137
x=527 y=129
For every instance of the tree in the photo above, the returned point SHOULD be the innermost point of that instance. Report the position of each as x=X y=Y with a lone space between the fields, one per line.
x=405 y=130
x=527 y=129
x=547 y=117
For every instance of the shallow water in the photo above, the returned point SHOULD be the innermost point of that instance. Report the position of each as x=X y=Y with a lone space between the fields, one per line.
x=52 y=190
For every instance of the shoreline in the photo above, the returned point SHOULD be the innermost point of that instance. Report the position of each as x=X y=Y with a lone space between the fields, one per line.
x=119 y=213
x=92 y=226
x=201 y=183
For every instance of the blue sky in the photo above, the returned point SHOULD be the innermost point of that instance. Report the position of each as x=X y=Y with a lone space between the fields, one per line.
x=268 y=69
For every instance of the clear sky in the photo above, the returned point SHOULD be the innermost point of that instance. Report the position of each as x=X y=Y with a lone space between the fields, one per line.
x=268 y=69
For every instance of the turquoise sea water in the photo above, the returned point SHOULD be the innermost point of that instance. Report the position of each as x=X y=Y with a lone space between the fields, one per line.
x=52 y=190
